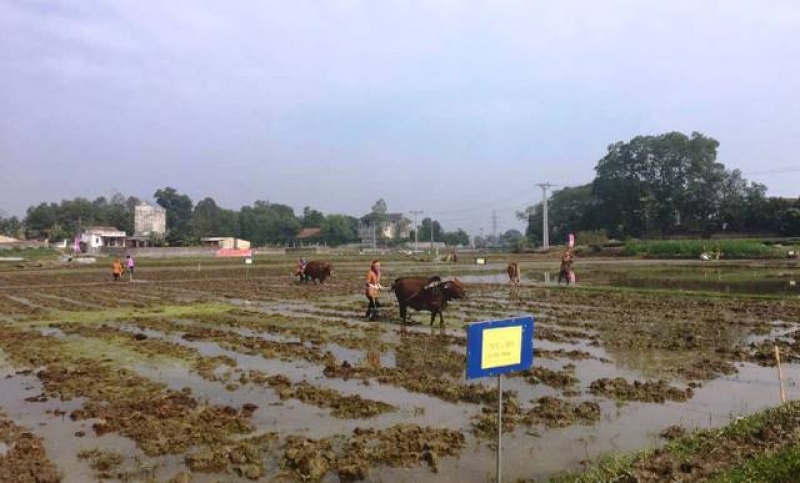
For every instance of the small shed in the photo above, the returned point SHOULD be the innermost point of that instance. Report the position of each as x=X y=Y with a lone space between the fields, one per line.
x=225 y=242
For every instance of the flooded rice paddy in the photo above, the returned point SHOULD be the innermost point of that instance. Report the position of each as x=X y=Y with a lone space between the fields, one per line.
x=209 y=373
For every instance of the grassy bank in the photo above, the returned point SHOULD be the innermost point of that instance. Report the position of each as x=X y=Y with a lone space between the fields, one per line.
x=761 y=447
x=727 y=249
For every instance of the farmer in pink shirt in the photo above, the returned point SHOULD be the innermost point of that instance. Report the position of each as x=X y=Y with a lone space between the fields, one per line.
x=130 y=264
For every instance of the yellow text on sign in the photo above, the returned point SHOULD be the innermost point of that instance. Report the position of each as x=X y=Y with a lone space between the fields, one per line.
x=501 y=347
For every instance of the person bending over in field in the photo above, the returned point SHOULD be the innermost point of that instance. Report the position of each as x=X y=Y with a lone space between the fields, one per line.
x=565 y=272
x=301 y=269
x=117 y=269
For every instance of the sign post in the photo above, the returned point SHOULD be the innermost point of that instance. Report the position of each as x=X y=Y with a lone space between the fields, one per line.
x=247 y=261
x=495 y=347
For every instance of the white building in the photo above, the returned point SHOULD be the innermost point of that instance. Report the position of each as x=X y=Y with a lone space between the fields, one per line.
x=96 y=237
x=149 y=220
x=395 y=225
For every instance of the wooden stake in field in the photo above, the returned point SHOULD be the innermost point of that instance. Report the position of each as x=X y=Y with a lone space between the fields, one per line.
x=780 y=372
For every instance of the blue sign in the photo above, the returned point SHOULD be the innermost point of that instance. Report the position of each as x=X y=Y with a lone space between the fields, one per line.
x=499 y=346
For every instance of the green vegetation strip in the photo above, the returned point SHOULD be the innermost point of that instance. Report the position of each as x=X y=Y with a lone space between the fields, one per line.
x=94 y=316
x=760 y=447
x=693 y=248
x=780 y=467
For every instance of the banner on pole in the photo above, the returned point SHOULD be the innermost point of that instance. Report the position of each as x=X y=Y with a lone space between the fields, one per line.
x=498 y=346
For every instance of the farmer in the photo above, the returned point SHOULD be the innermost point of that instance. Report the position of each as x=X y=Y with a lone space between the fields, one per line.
x=565 y=272
x=117 y=269
x=372 y=286
x=130 y=264
x=301 y=269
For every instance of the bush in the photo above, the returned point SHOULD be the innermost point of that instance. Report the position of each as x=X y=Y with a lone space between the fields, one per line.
x=591 y=237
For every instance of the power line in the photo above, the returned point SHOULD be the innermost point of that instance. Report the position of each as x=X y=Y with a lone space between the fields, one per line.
x=482 y=205
x=773 y=171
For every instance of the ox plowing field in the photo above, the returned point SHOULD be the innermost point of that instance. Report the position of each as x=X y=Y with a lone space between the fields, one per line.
x=214 y=372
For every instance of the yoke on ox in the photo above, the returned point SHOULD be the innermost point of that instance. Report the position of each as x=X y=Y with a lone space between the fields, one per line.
x=426 y=293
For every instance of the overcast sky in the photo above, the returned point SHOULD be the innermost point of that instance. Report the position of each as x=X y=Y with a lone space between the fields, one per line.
x=455 y=108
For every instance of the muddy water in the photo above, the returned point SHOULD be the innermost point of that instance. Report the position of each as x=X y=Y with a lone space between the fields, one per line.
x=785 y=281
x=57 y=431
x=629 y=427
x=293 y=416
x=529 y=451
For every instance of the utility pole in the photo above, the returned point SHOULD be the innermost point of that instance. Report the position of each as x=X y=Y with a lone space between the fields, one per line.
x=416 y=228
x=545 y=225
x=494 y=226
x=374 y=239
x=431 y=234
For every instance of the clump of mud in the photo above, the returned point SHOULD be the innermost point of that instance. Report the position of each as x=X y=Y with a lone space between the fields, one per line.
x=352 y=406
x=484 y=425
x=25 y=458
x=257 y=346
x=352 y=457
x=705 y=369
x=559 y=413
x=673 y=432
x=103 y=462
x=556 y=379
x=574 y=354
x=430 y=354
x=441 y=387
x=244 y=457
x=343 y=406
x=648 y=391
x=164 y=424
x=308 y=459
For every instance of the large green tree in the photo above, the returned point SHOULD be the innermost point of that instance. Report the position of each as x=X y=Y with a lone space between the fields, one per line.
x=339 y=229
x=655 y=185
x=268 y=223
x=312 y=218
x=206 y=219
x=425 y=230
x=11 y=226
x=455 y=238
x=179 y=214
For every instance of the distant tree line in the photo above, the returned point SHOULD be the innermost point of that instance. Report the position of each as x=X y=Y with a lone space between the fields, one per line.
x=262 y=223
x=662 y=186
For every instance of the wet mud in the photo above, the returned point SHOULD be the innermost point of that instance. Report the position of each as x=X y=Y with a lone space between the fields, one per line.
x=209 y=376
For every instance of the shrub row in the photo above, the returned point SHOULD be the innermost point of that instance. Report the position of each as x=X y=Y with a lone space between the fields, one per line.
x=729 y=249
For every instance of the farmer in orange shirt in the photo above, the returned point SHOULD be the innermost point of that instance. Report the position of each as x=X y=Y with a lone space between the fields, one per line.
x=371 y=289
x=117 y=269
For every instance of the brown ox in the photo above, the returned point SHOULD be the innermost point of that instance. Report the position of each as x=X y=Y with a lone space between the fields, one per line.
x=513 y=273
x=426 y=293
x=316 y=270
